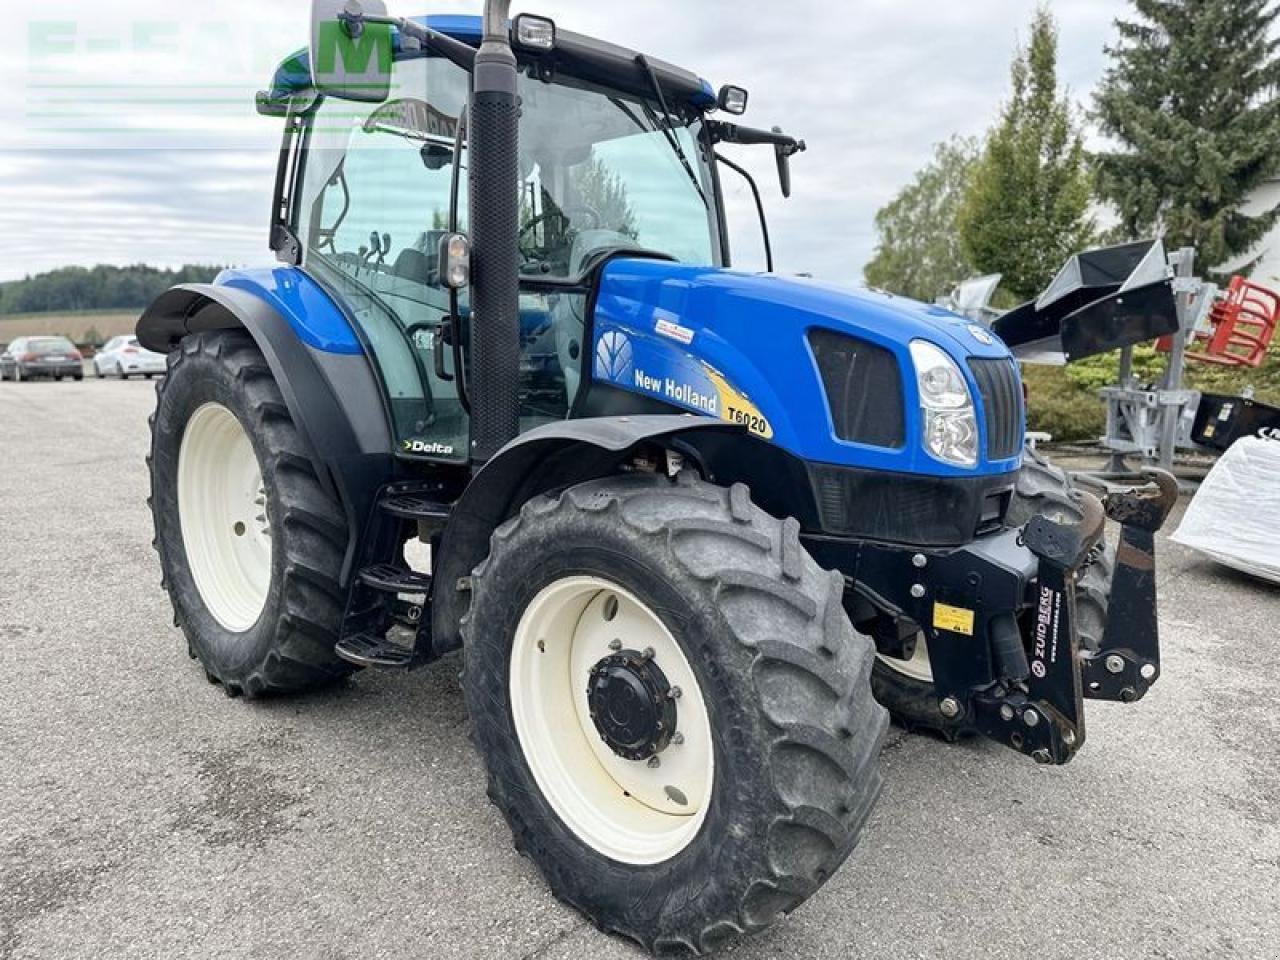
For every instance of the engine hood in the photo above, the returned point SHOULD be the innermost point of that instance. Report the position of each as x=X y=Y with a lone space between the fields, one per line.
x=737 y=346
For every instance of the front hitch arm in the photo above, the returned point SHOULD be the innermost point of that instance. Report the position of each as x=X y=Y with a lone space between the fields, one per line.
x=1046 y=719
x=1129 y=661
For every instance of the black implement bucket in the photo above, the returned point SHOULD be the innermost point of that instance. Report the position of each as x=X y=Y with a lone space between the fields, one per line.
x=1100 y=301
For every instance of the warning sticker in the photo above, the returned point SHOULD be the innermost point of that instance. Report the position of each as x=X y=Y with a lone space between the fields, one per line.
x=953 y=619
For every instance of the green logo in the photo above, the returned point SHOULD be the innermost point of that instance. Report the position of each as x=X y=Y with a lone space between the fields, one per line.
x=357 y=68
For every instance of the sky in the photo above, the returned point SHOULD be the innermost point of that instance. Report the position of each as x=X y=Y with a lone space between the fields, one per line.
x=130 y=135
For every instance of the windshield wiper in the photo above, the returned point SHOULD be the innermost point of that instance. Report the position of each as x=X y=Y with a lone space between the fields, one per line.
x=668 y=127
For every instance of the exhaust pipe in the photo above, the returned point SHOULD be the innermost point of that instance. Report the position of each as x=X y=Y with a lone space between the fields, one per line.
x=494 y=182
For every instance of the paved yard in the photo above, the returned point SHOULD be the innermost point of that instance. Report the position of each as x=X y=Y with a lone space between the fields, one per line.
x=143 y=814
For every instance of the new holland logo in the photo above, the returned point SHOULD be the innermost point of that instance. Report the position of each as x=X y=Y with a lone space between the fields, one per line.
x=614 y=357
x=424 y=448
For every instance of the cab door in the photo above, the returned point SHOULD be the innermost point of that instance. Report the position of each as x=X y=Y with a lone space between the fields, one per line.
x=375 y=198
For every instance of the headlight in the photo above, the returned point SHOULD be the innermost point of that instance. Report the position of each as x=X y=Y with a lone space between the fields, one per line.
x=948 y=417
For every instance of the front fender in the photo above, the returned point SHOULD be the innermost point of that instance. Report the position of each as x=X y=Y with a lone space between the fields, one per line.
x=333 y=398
x=553 y=457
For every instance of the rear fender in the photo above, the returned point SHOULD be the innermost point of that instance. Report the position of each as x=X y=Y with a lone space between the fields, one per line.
x=553 y=457
x=333 y=397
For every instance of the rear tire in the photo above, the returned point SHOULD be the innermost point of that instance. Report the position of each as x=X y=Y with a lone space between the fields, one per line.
x=1042 y=488
x=794 y=732
x=220 y=434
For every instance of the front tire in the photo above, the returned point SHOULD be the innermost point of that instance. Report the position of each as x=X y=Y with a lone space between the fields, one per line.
x=251 y=546
x=775 y=707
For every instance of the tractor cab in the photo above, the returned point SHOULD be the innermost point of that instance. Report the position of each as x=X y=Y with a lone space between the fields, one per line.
x=615 y=156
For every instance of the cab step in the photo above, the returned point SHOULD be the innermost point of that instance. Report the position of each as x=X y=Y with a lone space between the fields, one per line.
x=366 y=650
x=389 y=578
x=415 y=506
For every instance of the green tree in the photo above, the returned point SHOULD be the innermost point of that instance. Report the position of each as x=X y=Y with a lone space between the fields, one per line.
x=1027 y=207
x=603 y=191
x=1192 y=97
x=918 y=251
x=72 y=289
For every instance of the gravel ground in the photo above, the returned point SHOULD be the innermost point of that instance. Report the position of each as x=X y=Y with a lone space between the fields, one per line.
x=143 y=814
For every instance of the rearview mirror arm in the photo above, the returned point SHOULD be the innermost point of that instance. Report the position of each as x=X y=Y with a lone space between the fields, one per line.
x=433 y=41
x=723 y=132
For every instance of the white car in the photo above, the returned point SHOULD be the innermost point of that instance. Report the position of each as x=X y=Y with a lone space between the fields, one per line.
x=124 y=357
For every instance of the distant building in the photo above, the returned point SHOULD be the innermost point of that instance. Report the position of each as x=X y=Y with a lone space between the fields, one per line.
x=1268 y=269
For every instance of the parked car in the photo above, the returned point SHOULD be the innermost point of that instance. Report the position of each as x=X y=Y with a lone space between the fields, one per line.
x=30 y=357
x=124 y=357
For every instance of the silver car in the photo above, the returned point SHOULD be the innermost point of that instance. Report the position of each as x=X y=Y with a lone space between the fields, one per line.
x=30 y=357
x=124 y=357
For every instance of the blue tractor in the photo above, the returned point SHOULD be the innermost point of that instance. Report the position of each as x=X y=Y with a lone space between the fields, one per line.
x=693 y=529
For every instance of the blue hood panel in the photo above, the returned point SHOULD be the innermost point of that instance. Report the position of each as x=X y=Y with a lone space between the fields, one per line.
x=735 y=346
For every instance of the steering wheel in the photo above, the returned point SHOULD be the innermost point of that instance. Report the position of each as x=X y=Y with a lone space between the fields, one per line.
x=574 y=216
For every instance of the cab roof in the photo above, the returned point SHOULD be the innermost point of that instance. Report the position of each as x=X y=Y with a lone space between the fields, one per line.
x=580 y=56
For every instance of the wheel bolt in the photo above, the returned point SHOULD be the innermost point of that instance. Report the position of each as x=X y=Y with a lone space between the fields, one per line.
x=675 y=693
x=677 y=739
x=1031 y=718
x=950 y=708
x=1006 y=712
x=654 y=763
x=615 y=645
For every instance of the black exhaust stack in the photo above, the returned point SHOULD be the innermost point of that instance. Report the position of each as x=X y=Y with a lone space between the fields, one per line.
x=495 y=223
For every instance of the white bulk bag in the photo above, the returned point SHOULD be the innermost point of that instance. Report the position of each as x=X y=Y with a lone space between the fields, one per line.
x=1235 y=517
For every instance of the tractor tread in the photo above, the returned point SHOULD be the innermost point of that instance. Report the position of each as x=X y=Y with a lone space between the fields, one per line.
x=821 y=729
x=297 y=652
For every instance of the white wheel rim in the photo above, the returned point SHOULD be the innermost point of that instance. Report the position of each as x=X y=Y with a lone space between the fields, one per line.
x=626 y=810
x=222 y=509
x=917 y=668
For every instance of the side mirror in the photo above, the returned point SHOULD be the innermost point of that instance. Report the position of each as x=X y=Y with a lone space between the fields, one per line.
x=784 y=165
x=351 y=53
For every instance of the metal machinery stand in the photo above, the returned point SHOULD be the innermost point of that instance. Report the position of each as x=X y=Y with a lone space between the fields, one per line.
x=1154 y=422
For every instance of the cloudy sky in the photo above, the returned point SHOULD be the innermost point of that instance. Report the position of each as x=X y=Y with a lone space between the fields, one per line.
x=130 y=135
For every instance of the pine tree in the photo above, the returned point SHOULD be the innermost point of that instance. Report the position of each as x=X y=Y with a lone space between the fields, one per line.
x=1027 y=208
x=918 y=252
x=1193 y=98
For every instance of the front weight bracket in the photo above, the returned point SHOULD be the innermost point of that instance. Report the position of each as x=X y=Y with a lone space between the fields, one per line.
x=1129 y=661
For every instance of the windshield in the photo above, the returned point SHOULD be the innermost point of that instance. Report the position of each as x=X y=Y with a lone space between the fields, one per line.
x=600 y=173
x=50 y=345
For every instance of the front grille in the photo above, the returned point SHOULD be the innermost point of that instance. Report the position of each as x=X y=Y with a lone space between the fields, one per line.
x=1001 y=391
x=864 y=389
x=904 y=508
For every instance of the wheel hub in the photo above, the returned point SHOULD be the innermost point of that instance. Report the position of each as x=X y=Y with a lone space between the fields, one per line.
x=631 y=705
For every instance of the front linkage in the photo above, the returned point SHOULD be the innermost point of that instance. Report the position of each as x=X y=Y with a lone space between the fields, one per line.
x=999 y=617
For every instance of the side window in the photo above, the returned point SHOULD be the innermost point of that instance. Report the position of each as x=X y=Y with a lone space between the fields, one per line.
x=375 y=205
